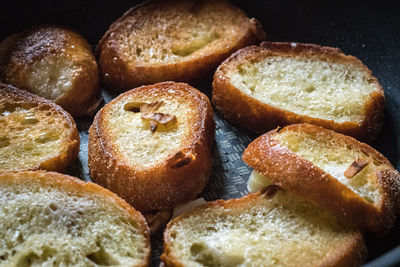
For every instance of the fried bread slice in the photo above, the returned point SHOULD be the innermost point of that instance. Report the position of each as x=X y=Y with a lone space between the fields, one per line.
x=55 y=63
x=332 y=170
x=152 y=145
x=35 y=133
x=172 y=41
x=274 y=228
x=276 y=84
x=51 y=219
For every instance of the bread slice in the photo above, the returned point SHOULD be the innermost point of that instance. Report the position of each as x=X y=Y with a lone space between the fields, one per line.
x=175 y=40
x=335 y=171
x=270 y=229
x=152 y=145
x=276 y=84
x=50 y=219
x=35 y=133
x=54 y=63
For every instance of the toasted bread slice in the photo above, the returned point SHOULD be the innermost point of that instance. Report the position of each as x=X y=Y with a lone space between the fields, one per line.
x=51 y=219
x=276 y=84
x=175 y=40
x=270 y=229
x=54 y=63
x=152 y=145
x=35 y=133
x=333 y=170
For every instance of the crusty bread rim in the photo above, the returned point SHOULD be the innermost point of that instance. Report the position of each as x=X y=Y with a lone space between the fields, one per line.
x=352 y=255
x=189 y=69
x=72 y=184
x=114 y=172
x=70 y=151
x=296 y=174
x=258 y=116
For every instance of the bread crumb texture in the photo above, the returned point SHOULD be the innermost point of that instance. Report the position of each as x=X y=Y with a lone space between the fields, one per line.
x=176 y=31
x=43 y=225
x=30 y=136
x=283 y=231
x=307 y=86
x=335 y=156
x=132 y=135
x=53 y=76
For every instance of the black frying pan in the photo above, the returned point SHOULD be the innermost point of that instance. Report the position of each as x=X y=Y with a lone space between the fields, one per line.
x=369 y=31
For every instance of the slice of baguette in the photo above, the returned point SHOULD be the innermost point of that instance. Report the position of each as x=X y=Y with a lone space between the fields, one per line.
x=276 y=84
x=54 y=63
x=153 y=165
x=35 y=133
x=335 y=171
x=51 y=219
x=175 y=40
x=270 y=229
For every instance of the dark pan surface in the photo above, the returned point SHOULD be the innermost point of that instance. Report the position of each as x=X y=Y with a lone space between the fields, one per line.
x=367 y=30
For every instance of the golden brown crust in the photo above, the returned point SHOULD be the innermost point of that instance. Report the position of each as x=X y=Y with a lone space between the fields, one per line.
x=302 y=177
x=20 y=52
x=120 y=73
x=11 y=96
x=353 y=254
x=248 y=112
x=159 y=186
x=76 y=187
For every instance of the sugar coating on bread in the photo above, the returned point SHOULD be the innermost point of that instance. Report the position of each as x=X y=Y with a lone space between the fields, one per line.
x=282 y=231
x=335 y=156
x=48 y=222
x=132 y=135
x=307 y=86
x=35 y=133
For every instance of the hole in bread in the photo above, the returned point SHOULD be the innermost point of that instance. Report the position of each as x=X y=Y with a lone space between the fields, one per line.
x=211 y=229
x=173 y=235
x=33 y=258
x=47 y=137
x=194 y=45
x=310 y=88
x=4 y=141
x=133 y=106
x=29 y=120
x=202 y=255
x=197 y=248
x=101 y=257
x=53 y=207
x=28 y=259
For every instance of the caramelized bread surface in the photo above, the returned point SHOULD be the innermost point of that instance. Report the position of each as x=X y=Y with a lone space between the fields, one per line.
x=330 y=169
x=276 y=84
x=152 y=145
x=50 y=219
x=270 y=229
x=54 y=63
x=35 y=133
x=172 y=41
